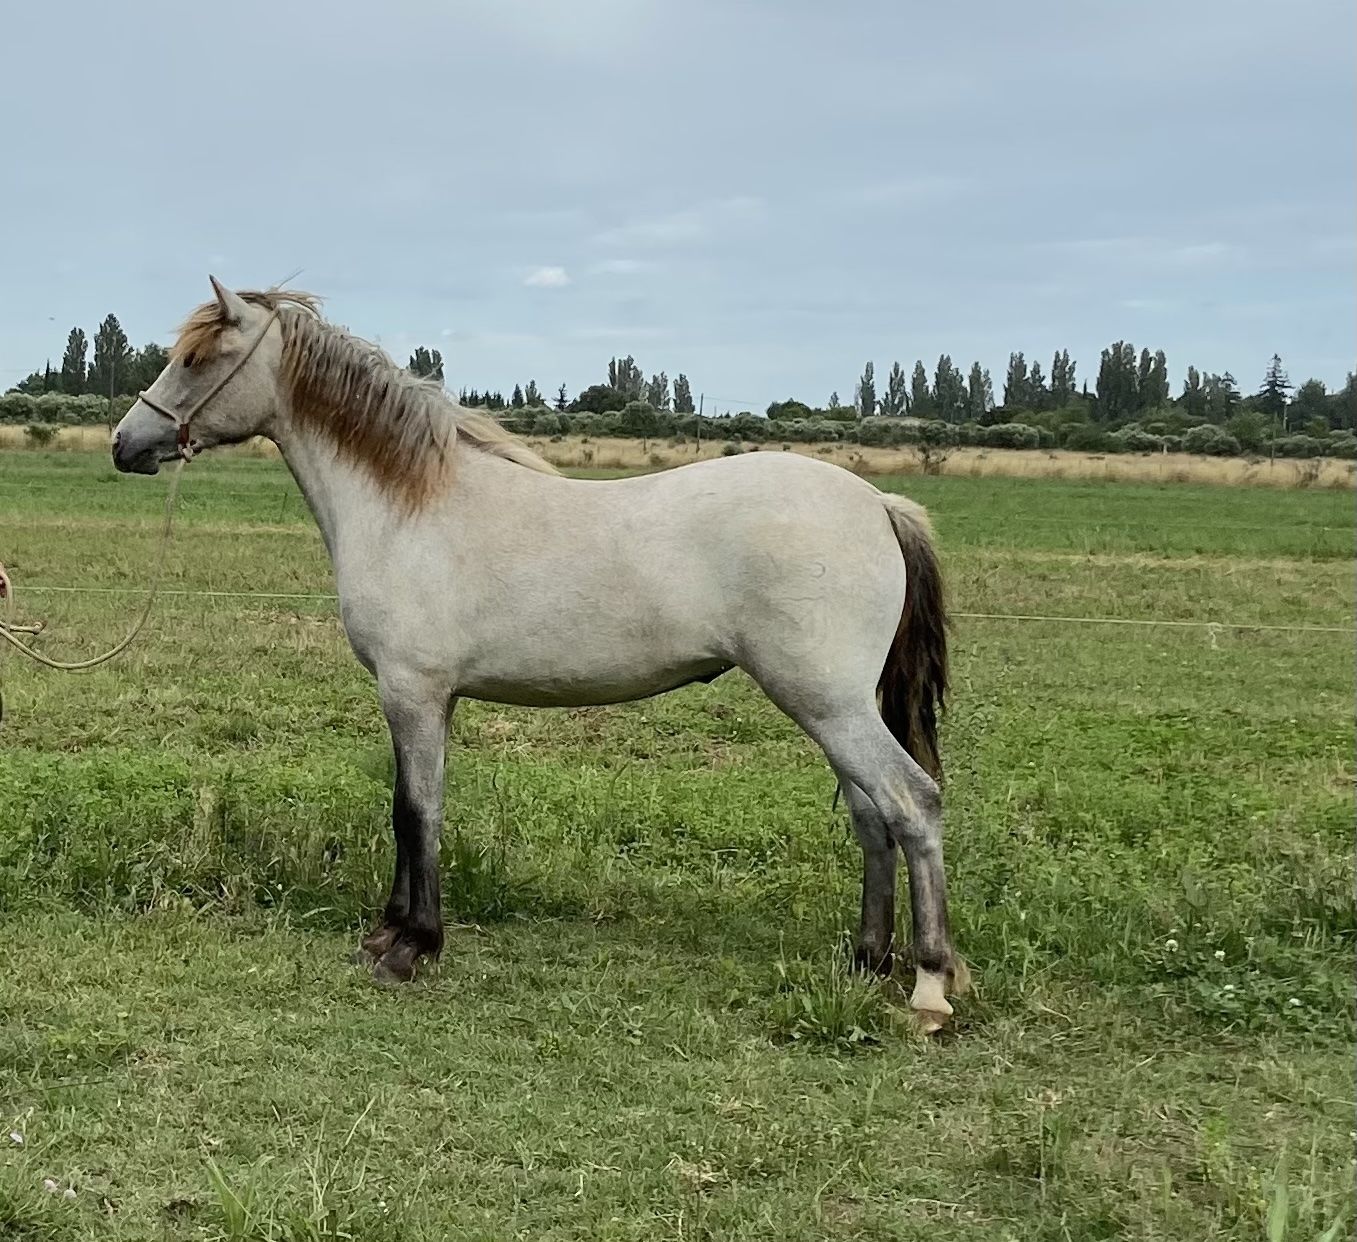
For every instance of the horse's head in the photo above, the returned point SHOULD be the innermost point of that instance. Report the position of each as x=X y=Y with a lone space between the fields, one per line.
x=220 y=387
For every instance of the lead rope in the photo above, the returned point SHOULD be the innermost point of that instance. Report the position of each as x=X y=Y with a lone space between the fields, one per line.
x=10 y=630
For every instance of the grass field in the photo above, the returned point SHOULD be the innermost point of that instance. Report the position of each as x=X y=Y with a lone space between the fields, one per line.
x=641 y=1028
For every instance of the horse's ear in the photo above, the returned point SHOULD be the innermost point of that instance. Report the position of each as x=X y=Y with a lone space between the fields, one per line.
x=233 y=306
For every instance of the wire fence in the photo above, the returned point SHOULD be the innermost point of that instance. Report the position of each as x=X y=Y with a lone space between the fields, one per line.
x=1210 y=625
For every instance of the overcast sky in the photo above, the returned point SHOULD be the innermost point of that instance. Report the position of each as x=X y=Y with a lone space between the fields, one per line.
x=760 y=194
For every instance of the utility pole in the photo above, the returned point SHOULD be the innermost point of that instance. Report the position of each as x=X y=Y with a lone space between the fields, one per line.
x=701 y=403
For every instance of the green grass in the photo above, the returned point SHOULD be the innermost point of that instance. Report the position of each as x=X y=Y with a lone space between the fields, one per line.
x=641 y=1026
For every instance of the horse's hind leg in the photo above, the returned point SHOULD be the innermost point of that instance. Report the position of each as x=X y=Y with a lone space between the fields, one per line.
x=875 y=946
x=909 y=805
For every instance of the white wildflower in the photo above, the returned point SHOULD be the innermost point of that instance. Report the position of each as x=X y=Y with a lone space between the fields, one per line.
x=1171 y=945
x=16 y=1138
x=1294 y=1002
x=51 y=1185
x=1220 y=955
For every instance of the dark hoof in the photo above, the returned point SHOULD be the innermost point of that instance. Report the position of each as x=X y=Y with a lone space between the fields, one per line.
x=378 y=941
x=399 y=963
x=385 y=976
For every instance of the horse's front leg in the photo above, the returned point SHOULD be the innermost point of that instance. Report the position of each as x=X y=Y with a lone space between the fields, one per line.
x=412 y=923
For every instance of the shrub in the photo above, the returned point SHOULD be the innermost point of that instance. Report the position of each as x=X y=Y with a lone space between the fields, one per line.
x=1250 y=428
x=598 y=399
x=1341 y=444
x=546 y=424
x=789 y=409
x=1011 y=436
x=40 y=434
x=639 y=419
x=936 y=433
x=881 y=431
x=1135 y=440
x=17 y=407
x=1213 y=441
x=1300 y=446
x=1083 y=438
x=730 y=449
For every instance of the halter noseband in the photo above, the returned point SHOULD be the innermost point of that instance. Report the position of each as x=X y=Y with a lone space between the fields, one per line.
x=182 y=421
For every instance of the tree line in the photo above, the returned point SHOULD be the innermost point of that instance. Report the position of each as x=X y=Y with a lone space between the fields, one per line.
x=1130 y=387
x=114 y=370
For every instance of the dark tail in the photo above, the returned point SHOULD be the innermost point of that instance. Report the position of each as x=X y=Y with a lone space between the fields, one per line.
x=913 y=685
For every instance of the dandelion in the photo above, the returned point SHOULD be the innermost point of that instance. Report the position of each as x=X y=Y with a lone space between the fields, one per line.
x=1171 y=945
x=68 y=1193
x=1294 y=1002
x=1229 y=987
x=1220 y=955
x=51 y=1185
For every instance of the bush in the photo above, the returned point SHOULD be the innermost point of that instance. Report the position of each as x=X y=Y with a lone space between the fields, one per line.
x=935 y=433
x=881 y=431
x=1250 y=428
x=1341 y=444
x=1046 y=438
x=546 y=424
x=40 y=434
x=1084 y=438
x=789 y=409
x=17 y=408
x=1213 y=441
x=1300 y=446
x=21 y=408
x=1135 y=440
x=746 y=426
x=1011 y=436
x=730 y=449
x=598 y=399
x=640 y=419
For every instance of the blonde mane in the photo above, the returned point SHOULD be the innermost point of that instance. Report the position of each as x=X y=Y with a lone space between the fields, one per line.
x=377 y=414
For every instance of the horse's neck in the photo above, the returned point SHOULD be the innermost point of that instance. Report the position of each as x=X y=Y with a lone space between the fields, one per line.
x=351 y=508
x=341 y=495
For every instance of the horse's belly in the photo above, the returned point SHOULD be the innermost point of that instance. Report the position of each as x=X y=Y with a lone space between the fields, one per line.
x=584 y=687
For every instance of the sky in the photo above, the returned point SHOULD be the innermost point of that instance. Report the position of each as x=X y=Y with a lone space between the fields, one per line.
x=762 y=194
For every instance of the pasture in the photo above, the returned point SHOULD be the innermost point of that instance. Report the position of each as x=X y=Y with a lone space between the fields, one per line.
x=641 y=1027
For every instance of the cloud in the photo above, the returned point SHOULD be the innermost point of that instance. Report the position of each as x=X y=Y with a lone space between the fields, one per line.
x=490 y=339
x=622 y=334
x=1200 y=254
x=903 y=192
x=547 y=278
x=692 y=224
x=623 y=267
x=1146 y=251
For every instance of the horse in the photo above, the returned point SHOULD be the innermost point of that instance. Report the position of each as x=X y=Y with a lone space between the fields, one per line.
x=468 y=567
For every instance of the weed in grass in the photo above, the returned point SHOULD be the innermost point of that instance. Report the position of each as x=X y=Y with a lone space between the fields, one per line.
x=826 y=1004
